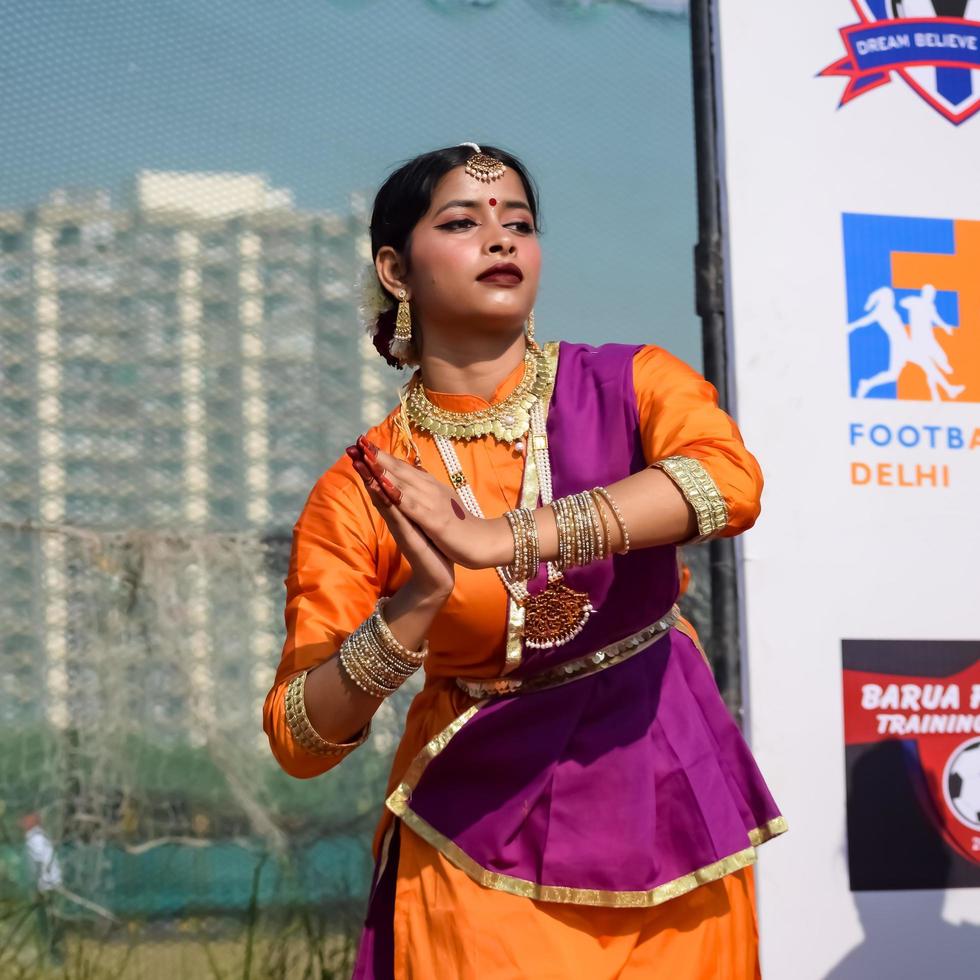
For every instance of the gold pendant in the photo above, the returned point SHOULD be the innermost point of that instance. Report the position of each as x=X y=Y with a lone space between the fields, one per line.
x=555 y=615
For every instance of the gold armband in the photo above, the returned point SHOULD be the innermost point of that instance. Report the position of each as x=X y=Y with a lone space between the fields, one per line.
x=700 y=491
x=301 y=729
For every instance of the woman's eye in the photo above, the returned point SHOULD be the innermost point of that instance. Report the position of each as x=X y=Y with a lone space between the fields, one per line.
x=523 y=227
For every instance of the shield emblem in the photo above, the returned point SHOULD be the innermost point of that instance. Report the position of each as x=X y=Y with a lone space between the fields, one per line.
x=932 y=45
x=912 y=756
x=949 y=767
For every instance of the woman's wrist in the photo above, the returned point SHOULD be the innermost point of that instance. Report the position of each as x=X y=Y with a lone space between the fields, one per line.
x=419 y=594
x=500 y=542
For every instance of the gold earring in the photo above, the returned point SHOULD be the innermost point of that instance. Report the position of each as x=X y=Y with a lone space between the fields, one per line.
x=403 y=321
x=530 y=329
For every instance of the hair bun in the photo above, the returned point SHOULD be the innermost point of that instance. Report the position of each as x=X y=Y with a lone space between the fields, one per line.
x=384 y=334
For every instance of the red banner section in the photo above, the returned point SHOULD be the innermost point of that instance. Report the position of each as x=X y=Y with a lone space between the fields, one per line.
x=936 y=718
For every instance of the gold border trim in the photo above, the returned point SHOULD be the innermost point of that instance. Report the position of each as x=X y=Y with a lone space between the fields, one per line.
x=771 y=828
x=530 y=488
x=585 y=896
x=398 y=804
x=573 y=670
x=398 y=800
x=700 y=491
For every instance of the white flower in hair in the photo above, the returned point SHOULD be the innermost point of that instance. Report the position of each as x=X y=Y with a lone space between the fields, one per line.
x=372 y=300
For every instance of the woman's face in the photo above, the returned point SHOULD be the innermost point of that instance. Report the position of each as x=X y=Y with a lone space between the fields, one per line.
x=470 y=228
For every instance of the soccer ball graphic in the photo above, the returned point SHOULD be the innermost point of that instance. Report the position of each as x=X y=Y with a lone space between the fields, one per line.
x=961 y=783
x=905 y=9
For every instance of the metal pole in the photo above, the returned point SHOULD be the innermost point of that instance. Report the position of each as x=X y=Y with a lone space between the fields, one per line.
x=709 y=286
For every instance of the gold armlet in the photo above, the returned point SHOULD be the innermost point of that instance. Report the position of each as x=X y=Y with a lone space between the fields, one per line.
x=303 y=732
x=700 y=491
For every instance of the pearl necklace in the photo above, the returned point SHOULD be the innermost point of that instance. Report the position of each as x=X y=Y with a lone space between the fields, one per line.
x=558 y=613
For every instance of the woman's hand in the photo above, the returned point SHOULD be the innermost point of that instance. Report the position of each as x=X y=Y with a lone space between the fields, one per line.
x=439 y=512
x=433 y=573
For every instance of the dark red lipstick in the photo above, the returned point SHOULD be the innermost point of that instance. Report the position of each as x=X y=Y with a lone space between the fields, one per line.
x=503 y=273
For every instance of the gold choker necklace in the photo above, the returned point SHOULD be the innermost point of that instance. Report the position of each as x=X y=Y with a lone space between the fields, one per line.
x=506 y=420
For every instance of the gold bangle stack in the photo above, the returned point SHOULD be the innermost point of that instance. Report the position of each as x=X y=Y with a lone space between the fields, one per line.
x=600 y=523
x=527 y=550
x=584 y=533
x=569 y=533
x=617 y=513
x=566 y=549
x=374 y=659
x=590 y=529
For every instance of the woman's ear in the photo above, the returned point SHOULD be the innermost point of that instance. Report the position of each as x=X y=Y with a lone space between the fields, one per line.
x=391 y=270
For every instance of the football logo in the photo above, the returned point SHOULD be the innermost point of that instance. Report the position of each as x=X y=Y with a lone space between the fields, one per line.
x=932 y=45
x=913 y=307
x=961 y=783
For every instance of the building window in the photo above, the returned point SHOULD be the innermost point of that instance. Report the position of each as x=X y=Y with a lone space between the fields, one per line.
x=11 y=241
x=69 y=235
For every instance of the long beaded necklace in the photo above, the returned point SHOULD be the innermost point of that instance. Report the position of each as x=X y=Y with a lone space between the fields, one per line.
x=557 y=613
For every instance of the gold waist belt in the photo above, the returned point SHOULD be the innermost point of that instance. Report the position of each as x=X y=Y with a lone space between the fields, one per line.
x=590 y=663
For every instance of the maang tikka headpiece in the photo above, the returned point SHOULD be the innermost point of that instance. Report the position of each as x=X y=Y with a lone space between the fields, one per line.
x=482 y=166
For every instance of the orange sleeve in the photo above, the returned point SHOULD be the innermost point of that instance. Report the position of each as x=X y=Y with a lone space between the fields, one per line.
x=334 y=580
x=695 y=443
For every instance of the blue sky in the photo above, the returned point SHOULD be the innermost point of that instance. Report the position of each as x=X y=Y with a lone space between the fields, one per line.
x=326 y=96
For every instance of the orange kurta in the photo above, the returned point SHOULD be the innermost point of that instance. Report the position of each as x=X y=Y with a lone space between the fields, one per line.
x=343 y=558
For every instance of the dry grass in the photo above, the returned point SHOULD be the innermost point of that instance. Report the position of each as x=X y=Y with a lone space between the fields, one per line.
x=300 y=945
x=291 y=956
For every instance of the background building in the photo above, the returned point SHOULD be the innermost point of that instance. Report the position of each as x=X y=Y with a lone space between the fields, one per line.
x=187 y=359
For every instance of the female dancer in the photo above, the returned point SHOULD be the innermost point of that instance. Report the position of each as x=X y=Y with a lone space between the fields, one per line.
x=570 y=798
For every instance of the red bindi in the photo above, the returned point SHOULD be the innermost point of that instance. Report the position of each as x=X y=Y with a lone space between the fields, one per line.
x=493 y=202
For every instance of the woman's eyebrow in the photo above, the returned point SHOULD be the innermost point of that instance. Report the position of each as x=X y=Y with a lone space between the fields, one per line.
x=523 y=205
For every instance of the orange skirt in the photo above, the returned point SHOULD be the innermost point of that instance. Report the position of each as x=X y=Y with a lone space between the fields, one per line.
x=447 y=927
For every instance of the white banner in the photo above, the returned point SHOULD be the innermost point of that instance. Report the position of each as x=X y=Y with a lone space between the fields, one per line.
x=851 y=177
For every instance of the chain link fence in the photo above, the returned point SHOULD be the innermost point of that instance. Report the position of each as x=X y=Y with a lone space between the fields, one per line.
x=180 y=361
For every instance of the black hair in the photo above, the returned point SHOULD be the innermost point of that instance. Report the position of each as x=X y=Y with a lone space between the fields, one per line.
x=406 y=196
